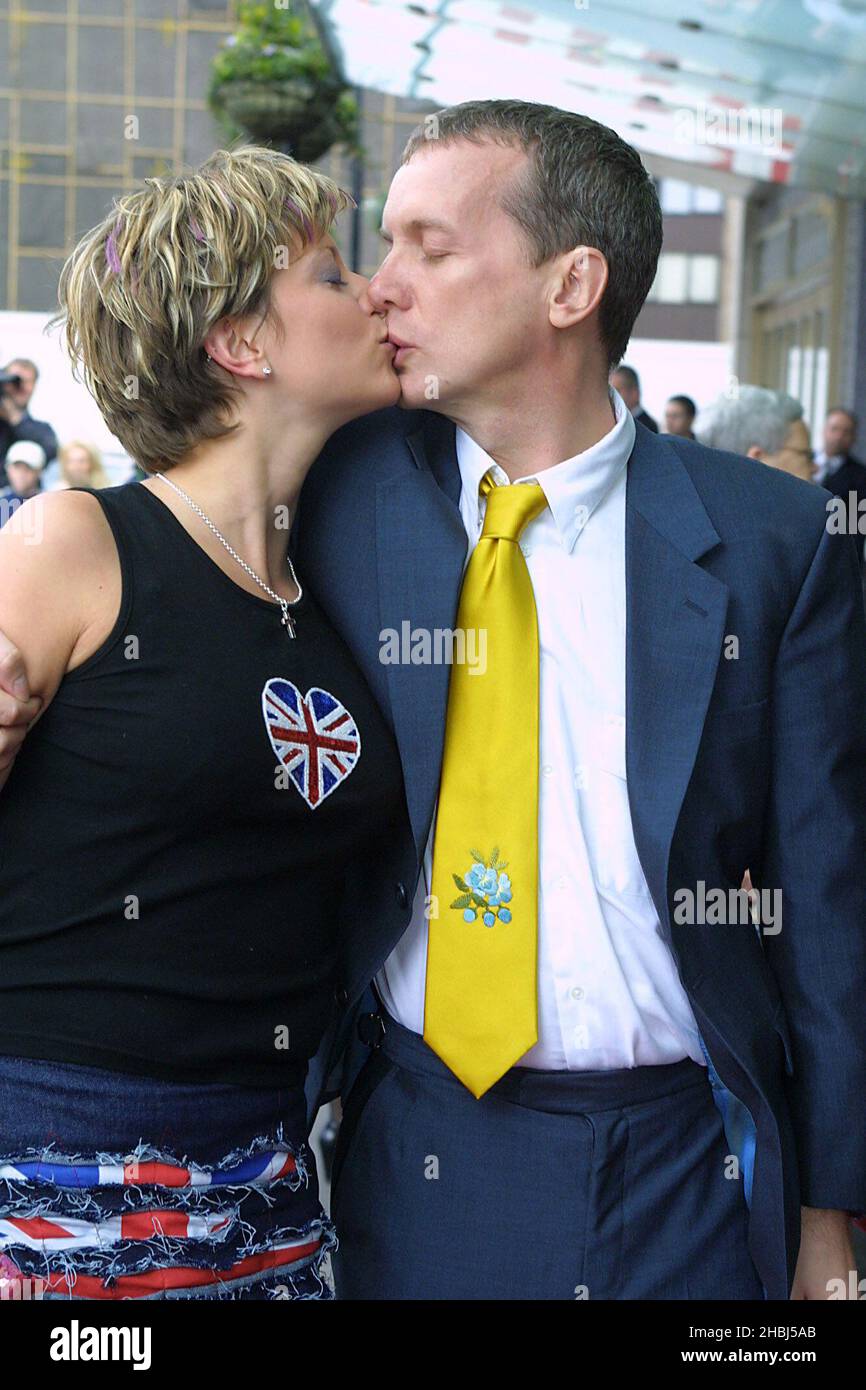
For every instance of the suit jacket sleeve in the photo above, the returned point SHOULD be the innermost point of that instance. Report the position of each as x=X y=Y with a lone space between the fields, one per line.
x=815 y=852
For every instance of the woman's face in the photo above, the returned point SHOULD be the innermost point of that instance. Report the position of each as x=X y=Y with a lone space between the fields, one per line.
x=333 y=353
x=77 y=463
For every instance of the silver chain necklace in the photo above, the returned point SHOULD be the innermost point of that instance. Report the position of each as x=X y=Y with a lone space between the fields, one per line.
x=286 y=619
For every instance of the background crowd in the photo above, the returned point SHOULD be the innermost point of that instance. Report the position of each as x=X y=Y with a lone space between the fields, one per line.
x=767 y=426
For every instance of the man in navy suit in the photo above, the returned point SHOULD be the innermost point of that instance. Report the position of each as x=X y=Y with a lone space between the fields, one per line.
x=840 y=472
x=626 y=382
x=521 y=244
x=688 y=1123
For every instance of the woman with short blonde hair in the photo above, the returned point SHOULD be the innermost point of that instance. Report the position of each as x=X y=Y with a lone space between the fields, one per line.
x=80 y=466
x=208 y=761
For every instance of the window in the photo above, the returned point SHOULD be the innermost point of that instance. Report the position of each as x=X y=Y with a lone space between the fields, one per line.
x=685 y=279
x=708 y=200
x=703 y=279
x=671 y=280
x=677 y=196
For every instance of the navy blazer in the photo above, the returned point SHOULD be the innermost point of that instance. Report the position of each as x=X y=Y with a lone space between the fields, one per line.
x=755 y=761
x=851 y=477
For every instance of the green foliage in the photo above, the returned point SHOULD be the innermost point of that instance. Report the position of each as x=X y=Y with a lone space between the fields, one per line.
x=273 y=80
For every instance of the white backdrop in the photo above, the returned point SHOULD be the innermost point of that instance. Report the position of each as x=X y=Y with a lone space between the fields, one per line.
x=668 y=368
x=65 y=403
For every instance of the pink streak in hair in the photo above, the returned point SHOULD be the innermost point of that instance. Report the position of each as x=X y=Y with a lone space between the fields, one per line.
x=302 y=216
x=196 y=230
x=111 y=249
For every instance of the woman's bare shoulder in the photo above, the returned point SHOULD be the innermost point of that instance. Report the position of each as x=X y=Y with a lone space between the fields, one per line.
x=59 y=583
x=62 y=523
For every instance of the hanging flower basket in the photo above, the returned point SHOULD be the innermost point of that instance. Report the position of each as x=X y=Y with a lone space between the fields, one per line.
x=276 y=82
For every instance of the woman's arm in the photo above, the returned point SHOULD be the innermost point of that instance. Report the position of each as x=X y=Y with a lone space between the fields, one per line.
x=59 y=598
x=18 y=709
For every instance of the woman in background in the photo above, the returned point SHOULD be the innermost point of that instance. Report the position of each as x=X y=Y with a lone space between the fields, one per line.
x=80 y=466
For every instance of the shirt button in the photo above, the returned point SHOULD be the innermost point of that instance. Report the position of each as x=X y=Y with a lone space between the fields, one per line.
x=577 y=992
x=562 y=881
x=547 y=770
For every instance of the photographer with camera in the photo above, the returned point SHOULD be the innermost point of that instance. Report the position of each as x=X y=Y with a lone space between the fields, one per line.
x=17 y=384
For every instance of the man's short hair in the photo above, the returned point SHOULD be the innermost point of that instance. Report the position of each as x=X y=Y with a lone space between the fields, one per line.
x=843 y=410
x=630 y=375
x=687 y=404
x=585 y=186
x=23 y=362
x=752 y=417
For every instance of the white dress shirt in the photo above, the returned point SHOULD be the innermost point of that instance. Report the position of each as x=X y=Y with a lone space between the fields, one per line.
x=827 y=465
x=608 y=990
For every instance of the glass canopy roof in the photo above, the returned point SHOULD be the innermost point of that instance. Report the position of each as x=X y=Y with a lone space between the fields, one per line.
x=773 y=90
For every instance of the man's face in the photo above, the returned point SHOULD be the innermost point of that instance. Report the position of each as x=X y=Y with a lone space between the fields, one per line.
x=839 y=433
x=795 y=455
x=22 y=478
x=21 y=394
x=677 y=419
x=625 y=387
x=456 y=281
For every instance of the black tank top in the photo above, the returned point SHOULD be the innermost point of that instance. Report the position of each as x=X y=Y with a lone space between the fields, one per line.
x=176 y=828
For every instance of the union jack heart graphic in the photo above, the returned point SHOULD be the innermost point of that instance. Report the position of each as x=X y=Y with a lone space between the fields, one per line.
x=313 y=735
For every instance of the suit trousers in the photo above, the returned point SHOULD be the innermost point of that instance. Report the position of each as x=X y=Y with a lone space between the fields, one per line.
x=554 y=1185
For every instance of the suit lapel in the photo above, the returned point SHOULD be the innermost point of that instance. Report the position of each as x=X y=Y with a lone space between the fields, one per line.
x=675 y=627
x=421 y=547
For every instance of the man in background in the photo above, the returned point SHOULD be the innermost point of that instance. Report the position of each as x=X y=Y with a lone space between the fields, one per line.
x=762 y=424
x=680 y=412
x=836 y=467
x=16 y=423
x=24 y=464
x=626 y=381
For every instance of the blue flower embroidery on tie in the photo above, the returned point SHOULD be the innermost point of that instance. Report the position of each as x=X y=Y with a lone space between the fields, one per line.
x=485 y=889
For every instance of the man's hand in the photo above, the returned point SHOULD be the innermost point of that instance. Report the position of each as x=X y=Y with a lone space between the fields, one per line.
x=17 y=709
x=826 y=1255
x=9 y=411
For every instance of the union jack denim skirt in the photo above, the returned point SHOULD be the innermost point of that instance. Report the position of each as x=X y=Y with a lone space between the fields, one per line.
x=115 y=1186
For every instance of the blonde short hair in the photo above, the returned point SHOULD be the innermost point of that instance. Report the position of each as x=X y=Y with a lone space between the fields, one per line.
x=142 y=290
x=98 y=476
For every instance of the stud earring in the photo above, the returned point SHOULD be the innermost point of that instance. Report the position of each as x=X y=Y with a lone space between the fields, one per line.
x=266 y=371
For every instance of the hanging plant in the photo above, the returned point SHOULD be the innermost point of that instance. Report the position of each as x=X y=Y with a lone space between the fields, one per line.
x=275 y=81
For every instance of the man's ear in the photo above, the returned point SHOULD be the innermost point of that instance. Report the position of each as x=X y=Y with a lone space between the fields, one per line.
x=754 y=452
x=581 y=277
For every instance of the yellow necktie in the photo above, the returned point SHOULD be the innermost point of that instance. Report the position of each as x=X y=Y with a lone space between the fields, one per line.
x=480 y=1011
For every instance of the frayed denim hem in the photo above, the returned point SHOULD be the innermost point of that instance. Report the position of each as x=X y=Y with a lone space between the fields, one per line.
x=103 y=1196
